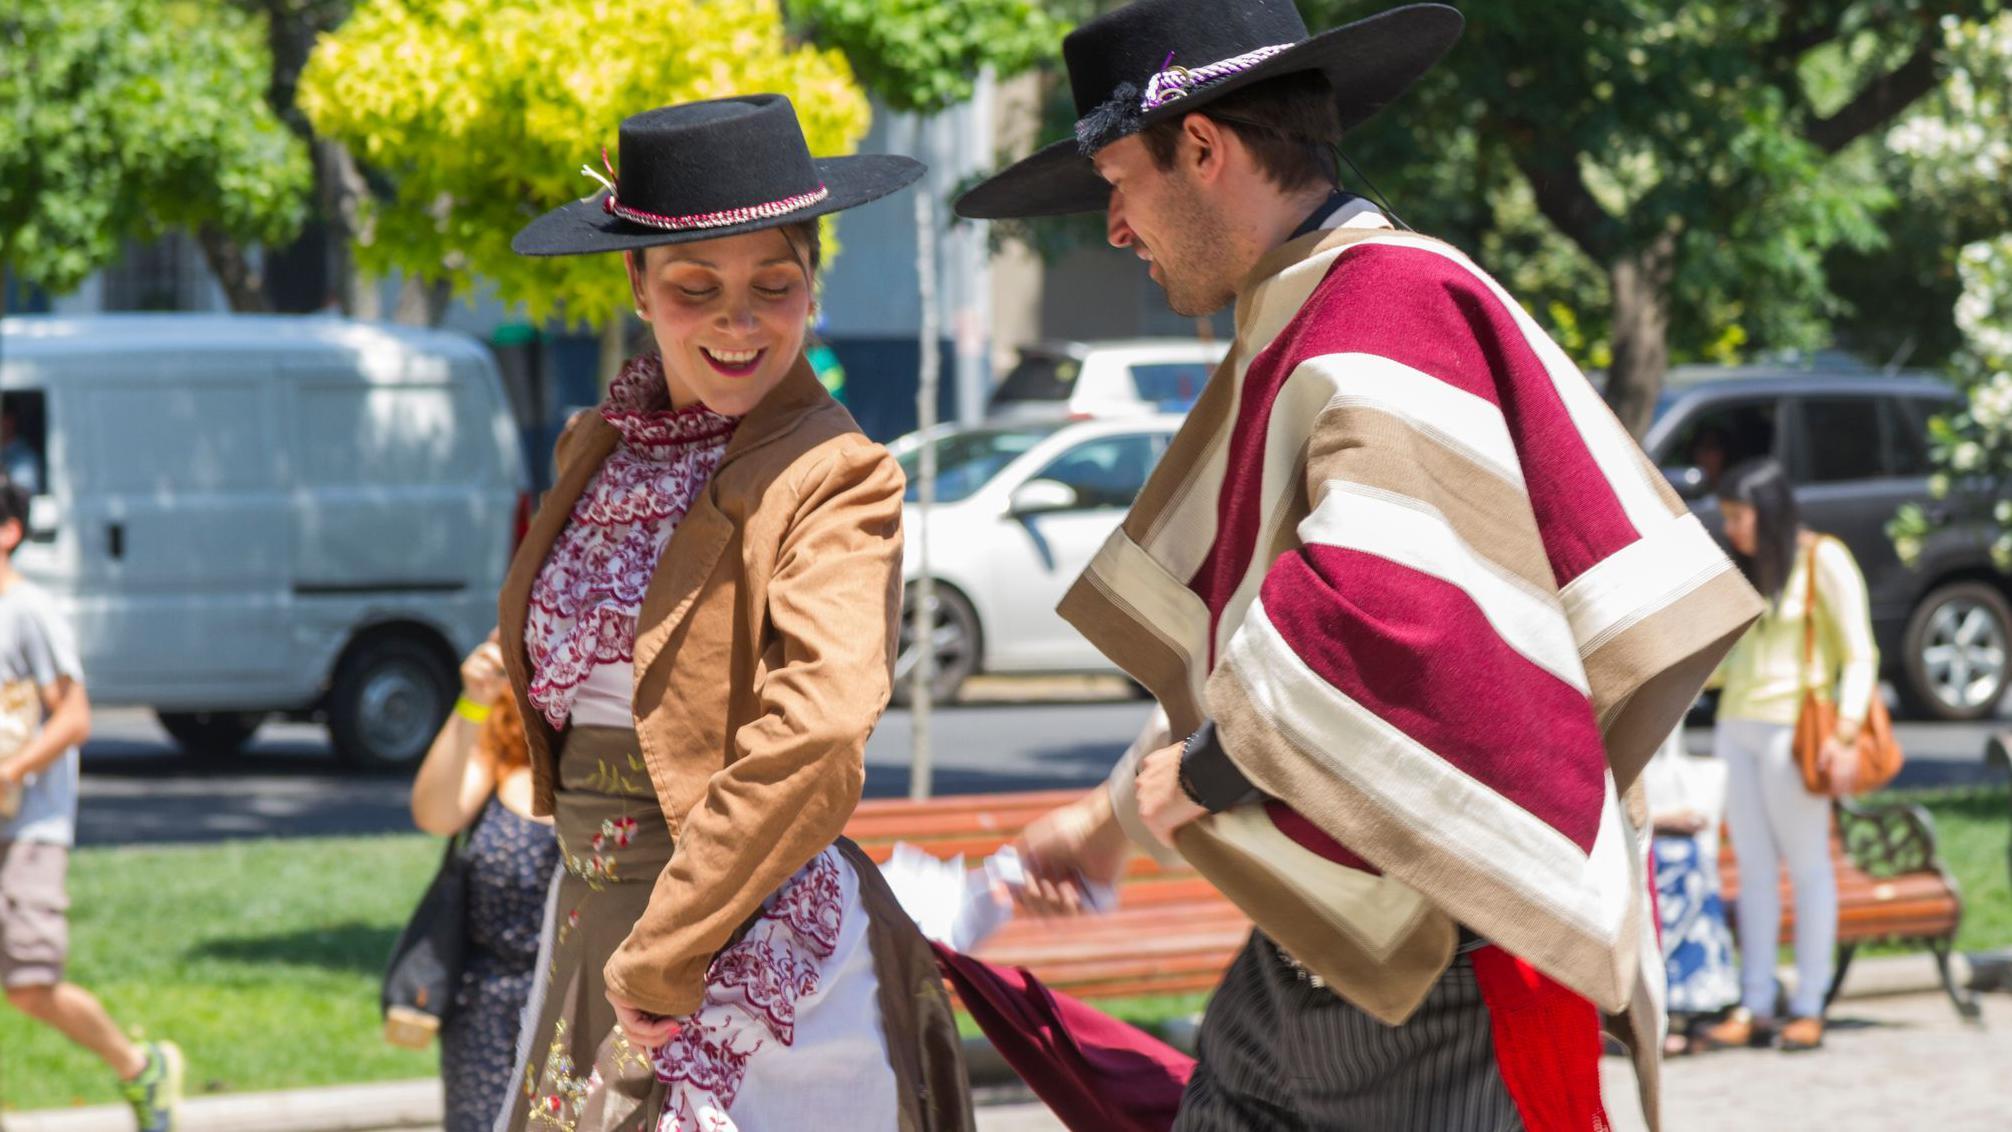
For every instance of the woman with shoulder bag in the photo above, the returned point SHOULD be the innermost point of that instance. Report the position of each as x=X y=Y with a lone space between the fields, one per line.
x=1799 y=645
x=476 y=781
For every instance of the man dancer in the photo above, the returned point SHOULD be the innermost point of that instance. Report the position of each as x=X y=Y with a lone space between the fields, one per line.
x=1415 y=607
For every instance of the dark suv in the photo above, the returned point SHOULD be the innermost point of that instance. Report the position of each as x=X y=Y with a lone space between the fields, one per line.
x=1855 y=444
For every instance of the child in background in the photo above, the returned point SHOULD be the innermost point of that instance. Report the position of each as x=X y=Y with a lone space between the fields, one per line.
x=44 y=716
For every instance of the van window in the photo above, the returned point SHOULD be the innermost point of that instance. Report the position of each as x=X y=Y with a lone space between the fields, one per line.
x=356 y=435
x=24 y=439
x=1907 y=435
x=1841 y=440
x=1722 y=436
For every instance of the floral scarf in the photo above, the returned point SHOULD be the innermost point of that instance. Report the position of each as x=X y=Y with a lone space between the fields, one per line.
x=585 y=601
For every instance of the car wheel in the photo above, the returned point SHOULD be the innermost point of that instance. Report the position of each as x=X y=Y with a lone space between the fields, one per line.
x=388 y=699
x=1955 y=652
x=210 y=734
x=954 y=636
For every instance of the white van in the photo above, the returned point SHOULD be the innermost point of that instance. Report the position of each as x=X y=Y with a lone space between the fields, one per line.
x=244 y=515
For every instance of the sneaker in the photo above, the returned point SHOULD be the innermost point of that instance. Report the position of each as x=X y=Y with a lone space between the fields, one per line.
x=156 y=1094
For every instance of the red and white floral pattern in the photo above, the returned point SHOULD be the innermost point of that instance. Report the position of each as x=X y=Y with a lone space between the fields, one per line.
x=752 y=992
x=585 y=600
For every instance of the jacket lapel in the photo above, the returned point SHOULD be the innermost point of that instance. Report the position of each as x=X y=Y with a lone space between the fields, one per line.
x=702 y=535
x=596 y=438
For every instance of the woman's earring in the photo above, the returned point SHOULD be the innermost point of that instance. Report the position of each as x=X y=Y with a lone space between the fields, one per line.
x=640 y=315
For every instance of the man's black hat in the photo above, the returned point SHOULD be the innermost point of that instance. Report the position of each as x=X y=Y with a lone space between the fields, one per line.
x=1155 y=59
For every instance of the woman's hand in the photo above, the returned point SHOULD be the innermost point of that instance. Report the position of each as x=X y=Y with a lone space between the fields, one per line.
x=1840 y=764
x=1683 y=823
x=643 y=1029
x=482 y=674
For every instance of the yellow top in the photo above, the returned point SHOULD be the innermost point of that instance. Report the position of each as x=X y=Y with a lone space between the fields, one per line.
x=1763 y=678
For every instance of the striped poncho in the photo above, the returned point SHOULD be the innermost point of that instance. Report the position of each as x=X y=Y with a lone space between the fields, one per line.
x=1441 y=608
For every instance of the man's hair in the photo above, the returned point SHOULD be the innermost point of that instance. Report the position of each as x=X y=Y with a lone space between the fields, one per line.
x=13 y=502
x=1290 y=124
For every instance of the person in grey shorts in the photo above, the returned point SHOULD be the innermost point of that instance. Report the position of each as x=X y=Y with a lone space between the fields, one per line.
x=44 y=715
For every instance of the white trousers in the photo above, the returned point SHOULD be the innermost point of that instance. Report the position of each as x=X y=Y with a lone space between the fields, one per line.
x=1773 y=821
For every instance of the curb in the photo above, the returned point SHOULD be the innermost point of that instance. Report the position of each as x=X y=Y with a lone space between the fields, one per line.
x=338 y=1108
x=416 y=1105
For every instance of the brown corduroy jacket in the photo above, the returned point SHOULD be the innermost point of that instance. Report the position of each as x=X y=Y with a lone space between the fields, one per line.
x=764 y=656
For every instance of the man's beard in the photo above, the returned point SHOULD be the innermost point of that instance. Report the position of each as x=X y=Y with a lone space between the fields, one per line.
x=1195 y=271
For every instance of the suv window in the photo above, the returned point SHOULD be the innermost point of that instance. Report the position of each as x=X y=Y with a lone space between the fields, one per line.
x=1107 y=472
x=1907 y=435
x=1841 y=440
x=1039 y=377
x=1722 y=436
x=1163 y=383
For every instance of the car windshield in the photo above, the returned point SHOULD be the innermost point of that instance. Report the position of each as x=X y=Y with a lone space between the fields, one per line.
x=1039 y=377
x=967 y=461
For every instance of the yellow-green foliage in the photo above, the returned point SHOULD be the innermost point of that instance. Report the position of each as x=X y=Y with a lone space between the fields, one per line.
x=481 y=112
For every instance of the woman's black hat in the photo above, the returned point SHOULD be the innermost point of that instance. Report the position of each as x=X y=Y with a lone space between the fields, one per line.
x=1155 y=59
x=702 y=170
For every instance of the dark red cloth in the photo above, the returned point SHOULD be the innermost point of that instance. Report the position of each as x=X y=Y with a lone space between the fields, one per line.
x=1095 y=1073
x=1547 y=1045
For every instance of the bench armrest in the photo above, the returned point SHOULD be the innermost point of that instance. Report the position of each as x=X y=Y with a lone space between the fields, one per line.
x=1886 y=839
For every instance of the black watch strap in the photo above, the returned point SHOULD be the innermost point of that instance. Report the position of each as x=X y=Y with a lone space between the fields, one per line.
x=1208 y=777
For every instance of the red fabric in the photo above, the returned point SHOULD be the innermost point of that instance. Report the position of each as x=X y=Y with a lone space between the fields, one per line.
x=1547 y=1045
x=1421 y=309
x=1314 y=839
x=1095 y=1073
x=1419 y=654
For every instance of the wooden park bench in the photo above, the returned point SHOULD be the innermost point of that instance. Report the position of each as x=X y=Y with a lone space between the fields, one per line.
x=1173 y=933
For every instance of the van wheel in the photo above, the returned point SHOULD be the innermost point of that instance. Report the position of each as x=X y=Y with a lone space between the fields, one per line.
x=210 y=734
x=1957 y=653
x=388 y=699
x=954 y=633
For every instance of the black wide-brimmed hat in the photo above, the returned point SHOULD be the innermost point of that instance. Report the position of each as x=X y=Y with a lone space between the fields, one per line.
x=1154 y=59
x=702 y=170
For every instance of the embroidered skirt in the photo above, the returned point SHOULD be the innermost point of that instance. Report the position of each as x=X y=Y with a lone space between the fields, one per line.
x=1697 y=945
x=789 y=1035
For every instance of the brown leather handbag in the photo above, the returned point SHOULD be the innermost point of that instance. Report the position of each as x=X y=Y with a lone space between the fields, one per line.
x=1879 y=755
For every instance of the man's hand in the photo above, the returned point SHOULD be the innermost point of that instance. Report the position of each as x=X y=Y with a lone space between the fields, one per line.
x=643 y=1029
x=1067 y=846
x=1163 y=805
x=1840 y=762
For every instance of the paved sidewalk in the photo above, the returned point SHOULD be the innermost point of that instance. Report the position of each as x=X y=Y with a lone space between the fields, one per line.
x=1904 y=1062
x=1890 y=1064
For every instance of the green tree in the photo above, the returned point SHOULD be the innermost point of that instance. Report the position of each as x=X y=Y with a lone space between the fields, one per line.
x=1960 y=153
x=480 y=113
x=123 y=119
x=1672 y=172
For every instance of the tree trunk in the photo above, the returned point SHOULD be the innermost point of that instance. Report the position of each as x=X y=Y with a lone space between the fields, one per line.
x=242 y=284
x=422 y=302
x=343 y=194
x=614 y=348
x=1640 y=282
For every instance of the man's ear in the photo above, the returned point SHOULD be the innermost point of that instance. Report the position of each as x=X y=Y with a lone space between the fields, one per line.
x=1204 y=146
x=635 y=261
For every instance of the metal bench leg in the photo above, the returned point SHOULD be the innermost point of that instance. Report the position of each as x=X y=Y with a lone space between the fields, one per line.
x=1964 y=998
x=1845 y=951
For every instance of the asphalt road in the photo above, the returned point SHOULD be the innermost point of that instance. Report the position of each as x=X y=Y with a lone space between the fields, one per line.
x=139 y=789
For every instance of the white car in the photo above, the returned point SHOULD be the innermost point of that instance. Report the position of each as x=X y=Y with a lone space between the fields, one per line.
x=1020 y=509
x=1119 y=377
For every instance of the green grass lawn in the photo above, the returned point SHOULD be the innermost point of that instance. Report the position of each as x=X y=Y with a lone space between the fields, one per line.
x=262 y=958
